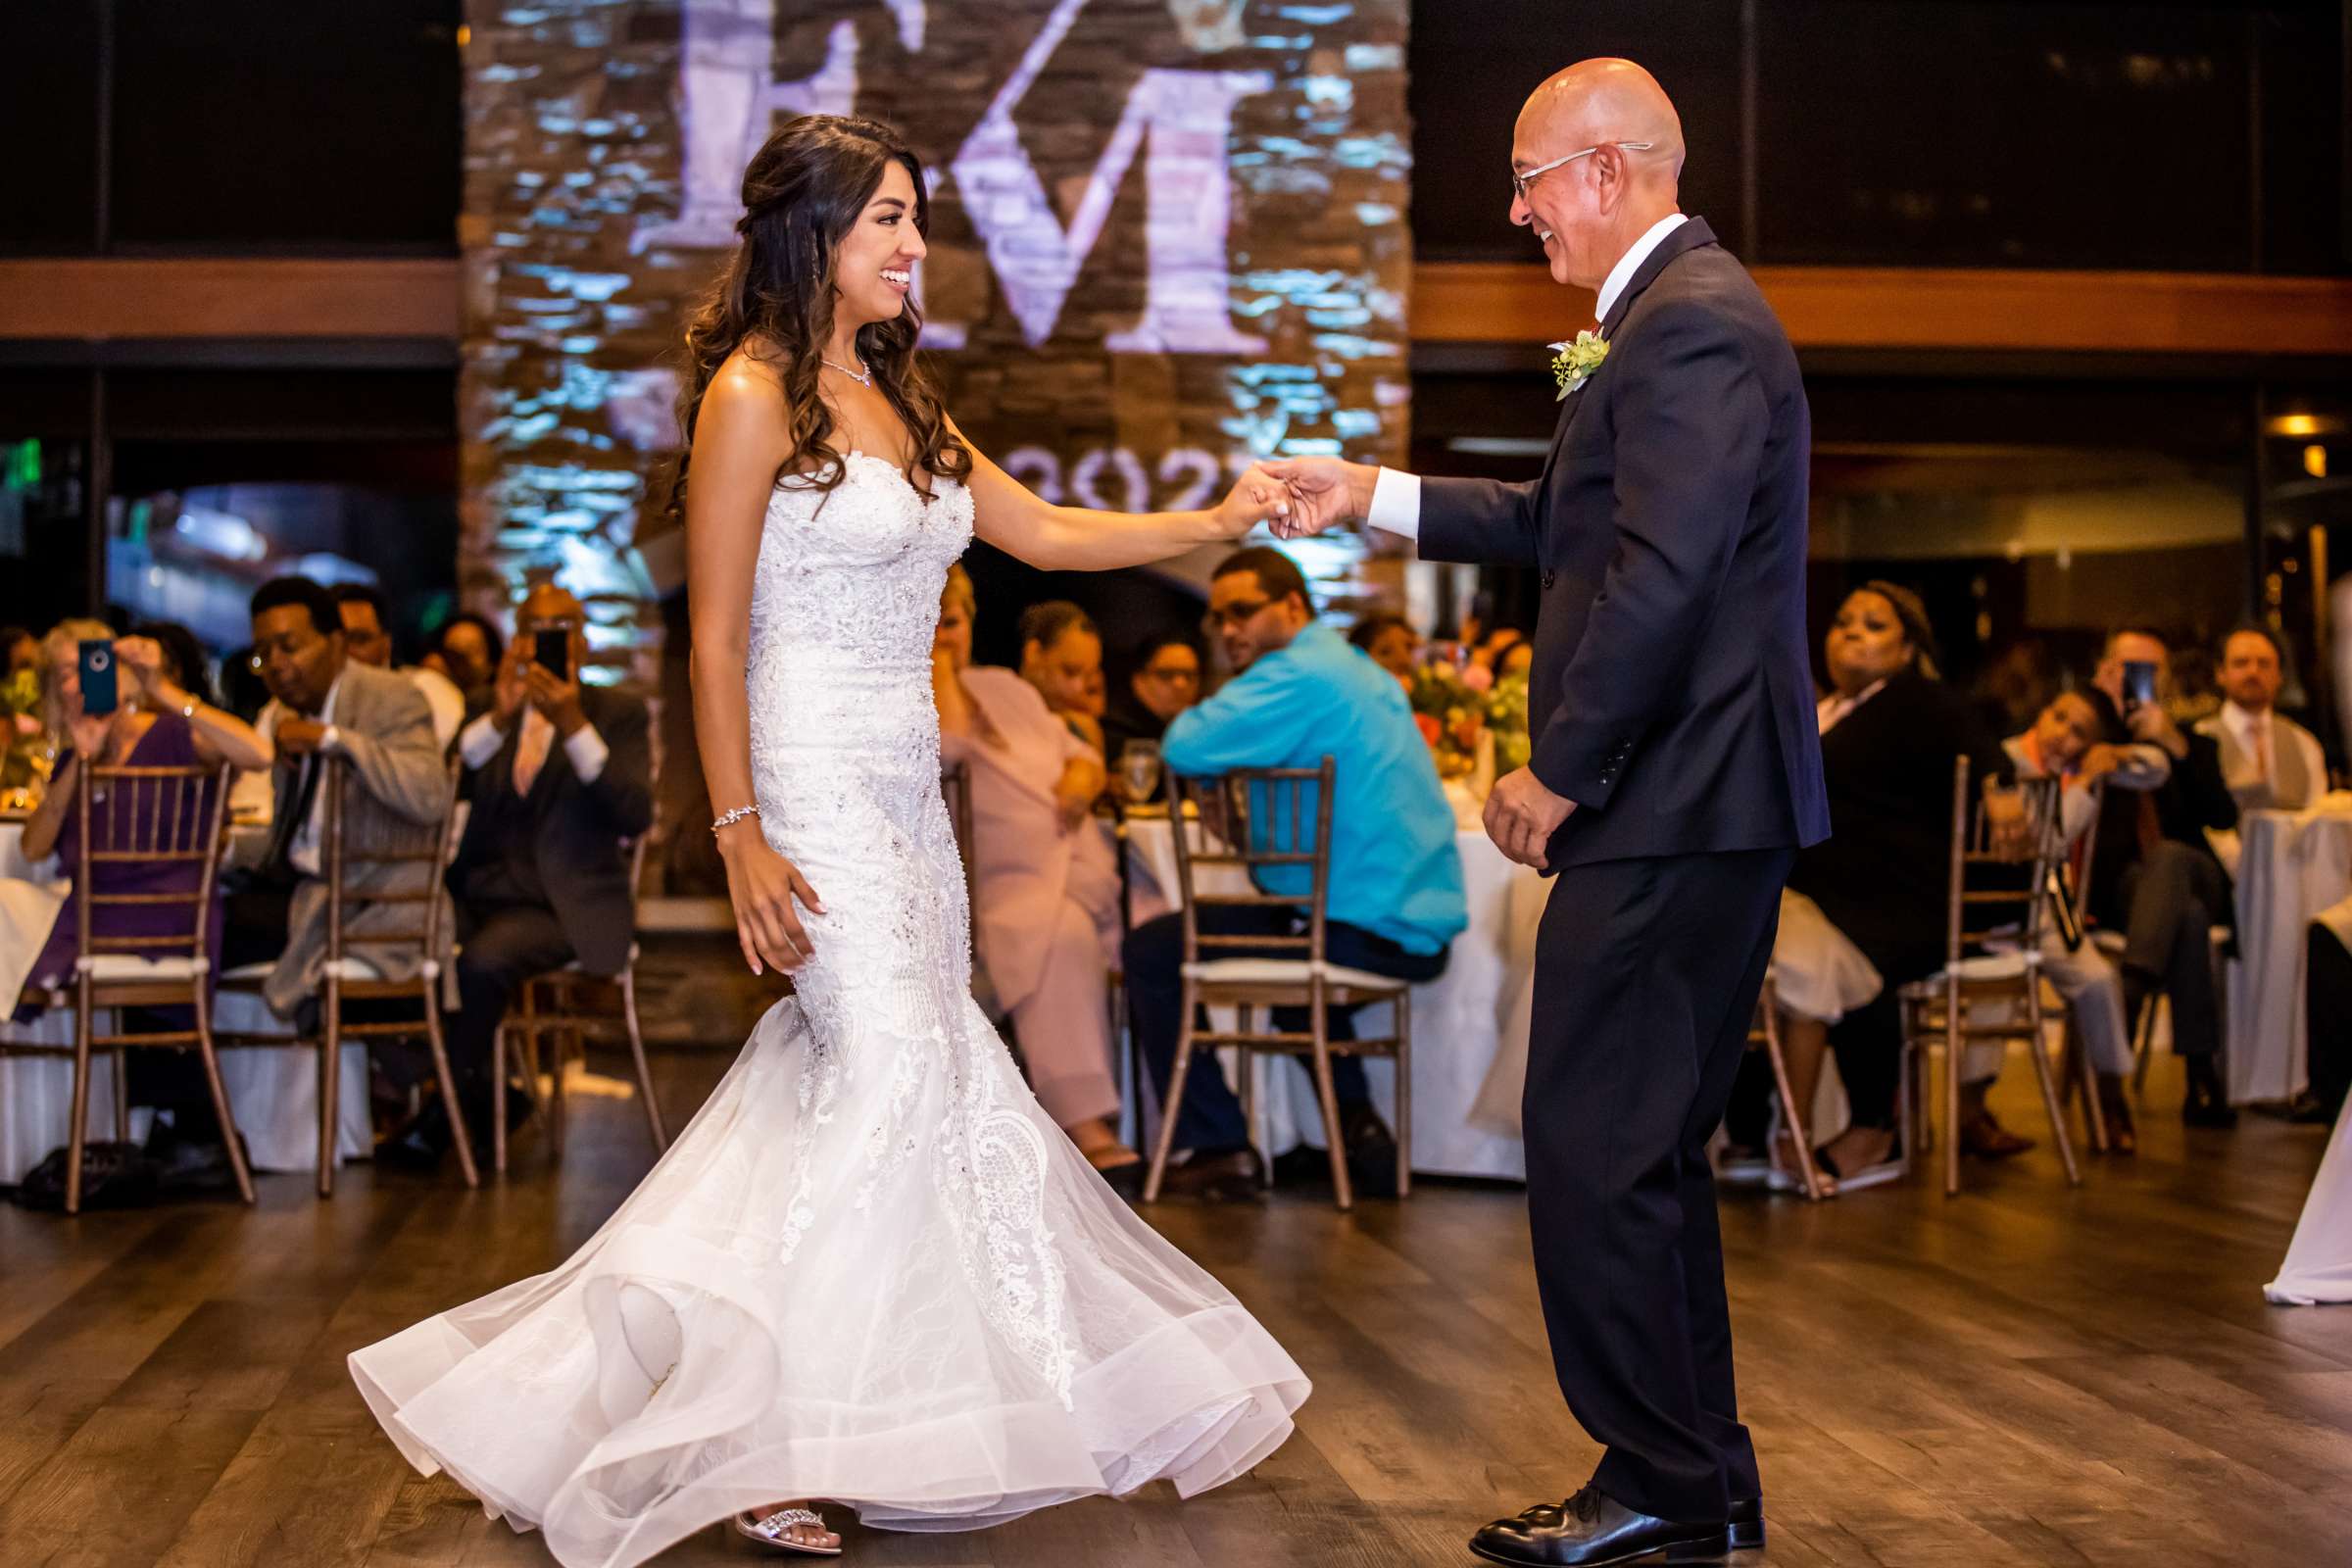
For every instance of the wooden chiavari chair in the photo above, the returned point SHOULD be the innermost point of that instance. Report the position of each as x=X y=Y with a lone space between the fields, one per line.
x=1269 y=820
x=570 y=1005
x=1765 y=1031
x=1990 y=985
x=130 y=818
x=411 y=858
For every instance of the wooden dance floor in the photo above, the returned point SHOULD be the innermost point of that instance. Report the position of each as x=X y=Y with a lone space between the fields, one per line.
x=2022 y=1376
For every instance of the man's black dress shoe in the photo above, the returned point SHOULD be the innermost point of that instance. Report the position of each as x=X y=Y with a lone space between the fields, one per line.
x=1742 y=1532
x=1592 y=1529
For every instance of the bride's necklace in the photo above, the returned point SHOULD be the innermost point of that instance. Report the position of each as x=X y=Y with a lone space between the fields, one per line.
x=864 y=378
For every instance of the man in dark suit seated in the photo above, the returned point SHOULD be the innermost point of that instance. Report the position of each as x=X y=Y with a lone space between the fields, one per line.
x=559 y=775
x=2154 y=876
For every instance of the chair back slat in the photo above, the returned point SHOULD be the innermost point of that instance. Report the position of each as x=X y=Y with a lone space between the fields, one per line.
x=1256 y=818
x=390 y=841
x=147 y=817
x=1994 y=892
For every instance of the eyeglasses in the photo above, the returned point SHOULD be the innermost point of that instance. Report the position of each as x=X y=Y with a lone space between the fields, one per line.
x=1521 y=178
x=1235 y=614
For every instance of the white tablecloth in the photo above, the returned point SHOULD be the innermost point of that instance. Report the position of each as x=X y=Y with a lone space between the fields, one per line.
x=2319 y=1260
x=2291 y=865
x=273 y=1093
x=1462 y=1020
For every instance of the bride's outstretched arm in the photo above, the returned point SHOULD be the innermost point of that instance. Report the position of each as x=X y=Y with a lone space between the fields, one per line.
x=1078 y=539
x=737 y=450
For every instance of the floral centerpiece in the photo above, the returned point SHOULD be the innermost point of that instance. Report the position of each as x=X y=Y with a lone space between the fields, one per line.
x=1458 y=706
x=21 y=763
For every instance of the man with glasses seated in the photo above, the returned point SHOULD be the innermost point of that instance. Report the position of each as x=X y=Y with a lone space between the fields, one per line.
x=1395 y=901
x=1164 y=682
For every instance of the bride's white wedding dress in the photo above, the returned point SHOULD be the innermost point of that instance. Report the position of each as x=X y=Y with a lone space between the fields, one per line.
x=870 y=1269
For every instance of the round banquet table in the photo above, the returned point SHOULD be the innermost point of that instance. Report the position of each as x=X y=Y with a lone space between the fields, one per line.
x=1469 y=1024
x=2290 y=866
x=273 y=1093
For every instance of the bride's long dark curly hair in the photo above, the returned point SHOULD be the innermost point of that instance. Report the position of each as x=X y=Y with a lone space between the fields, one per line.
x=802 y=193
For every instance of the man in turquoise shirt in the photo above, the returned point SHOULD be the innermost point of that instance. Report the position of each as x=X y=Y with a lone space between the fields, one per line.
x=1394 y=899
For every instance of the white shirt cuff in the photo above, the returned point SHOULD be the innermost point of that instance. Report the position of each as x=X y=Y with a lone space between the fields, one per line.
x=1396 y=504
x=588 y=752
x=332 y=741
x=479 y=743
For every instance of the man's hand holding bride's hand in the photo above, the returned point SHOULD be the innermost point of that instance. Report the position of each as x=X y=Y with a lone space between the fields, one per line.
x=1256 y=496
x=1325 y=492
x=1522 y=816
x=762 y=883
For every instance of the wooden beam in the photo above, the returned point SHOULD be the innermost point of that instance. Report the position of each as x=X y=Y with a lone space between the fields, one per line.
x=1938 y=307
x=97 y=299
x=1981 y=310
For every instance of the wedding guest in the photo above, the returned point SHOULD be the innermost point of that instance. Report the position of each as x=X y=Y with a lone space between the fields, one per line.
x=2155 y=876
x=325 y=704
x=1890 y=730
x=2063 y=743
x=559 y=774
x=1391 y=640
x=366 y=640
x=1045 y=899
x=469 y=651
x=1164 y=681
x=23 y=648
x=1062 y=656
x=1394 y=899
x=2270 y=762
x=162 y=717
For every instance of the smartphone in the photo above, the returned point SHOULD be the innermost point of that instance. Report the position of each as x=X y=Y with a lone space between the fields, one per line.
x=550 y=651
x=98 y=695
x=2139 y=683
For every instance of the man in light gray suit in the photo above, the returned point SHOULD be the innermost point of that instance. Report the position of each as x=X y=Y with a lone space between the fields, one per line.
x=326 y=704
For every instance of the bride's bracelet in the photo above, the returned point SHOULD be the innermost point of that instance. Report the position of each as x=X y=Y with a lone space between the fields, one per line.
x=734 y=817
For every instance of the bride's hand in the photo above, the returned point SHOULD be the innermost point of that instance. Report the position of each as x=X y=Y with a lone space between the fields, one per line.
x=762 y=884
x=1256 y=496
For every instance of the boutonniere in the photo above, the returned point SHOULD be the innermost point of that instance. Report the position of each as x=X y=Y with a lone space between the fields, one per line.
x=1573 y=363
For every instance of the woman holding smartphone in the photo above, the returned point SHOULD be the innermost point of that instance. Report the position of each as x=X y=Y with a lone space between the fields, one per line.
x=140 y=709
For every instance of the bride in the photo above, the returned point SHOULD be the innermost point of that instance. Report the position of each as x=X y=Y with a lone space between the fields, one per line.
x=871 y=1269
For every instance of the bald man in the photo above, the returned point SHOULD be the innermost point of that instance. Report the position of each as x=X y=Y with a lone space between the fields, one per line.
x=559 y=773
x=1676 y=771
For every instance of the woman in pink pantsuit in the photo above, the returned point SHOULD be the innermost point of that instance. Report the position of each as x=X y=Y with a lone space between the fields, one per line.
x=1046 y=895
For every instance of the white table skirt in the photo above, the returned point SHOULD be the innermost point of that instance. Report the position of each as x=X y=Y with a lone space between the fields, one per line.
x=2319 y=1260
x=2291 y=865
x=274 y=1094
x=1462 y=1020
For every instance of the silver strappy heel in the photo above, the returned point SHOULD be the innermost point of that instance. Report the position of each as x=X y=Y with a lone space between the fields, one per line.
x=775 y=1531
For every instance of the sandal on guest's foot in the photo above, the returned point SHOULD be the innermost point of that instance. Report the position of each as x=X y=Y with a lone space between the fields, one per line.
x=1888 y=1168
x=801 y=1530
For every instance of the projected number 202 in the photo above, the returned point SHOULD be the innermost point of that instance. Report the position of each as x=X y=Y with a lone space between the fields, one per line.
x=1117 y=480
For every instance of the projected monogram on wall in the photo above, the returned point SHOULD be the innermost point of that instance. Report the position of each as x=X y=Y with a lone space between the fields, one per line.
x=1166 y=235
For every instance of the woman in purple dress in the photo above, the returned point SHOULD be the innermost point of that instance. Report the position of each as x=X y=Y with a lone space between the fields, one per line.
x=165 y=720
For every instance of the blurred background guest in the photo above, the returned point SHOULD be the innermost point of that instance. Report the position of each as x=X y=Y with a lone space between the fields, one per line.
x=164 y=718
x=559 y=775
x=325 y=705
x=367 y=639
x=1164 y=679
x=2155 y=876
x=467 y=651
x=1046 y=897
x=1890 y=730
x=2063 y=743
x=1394 y=899
x=2270 y=762
x=21 y=649
x=1391 y=640
x=1062 y=656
